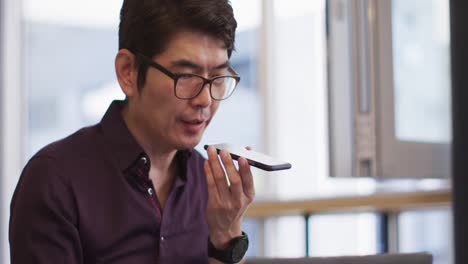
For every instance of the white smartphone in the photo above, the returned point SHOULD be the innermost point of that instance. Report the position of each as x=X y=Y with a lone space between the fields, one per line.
x=256 y=159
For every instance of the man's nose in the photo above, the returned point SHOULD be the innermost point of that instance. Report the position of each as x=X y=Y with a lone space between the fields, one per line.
x=203 y=99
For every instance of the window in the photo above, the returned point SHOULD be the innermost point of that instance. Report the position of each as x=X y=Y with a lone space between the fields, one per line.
x=68 y=66
x=415 y=102
x=389 y=101
x=10 y=112
x=427 y=230
x=390 y=88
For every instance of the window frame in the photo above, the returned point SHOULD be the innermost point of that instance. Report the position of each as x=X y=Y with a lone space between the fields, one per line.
x=363 y=141
x=12 y=113
x=402 y=158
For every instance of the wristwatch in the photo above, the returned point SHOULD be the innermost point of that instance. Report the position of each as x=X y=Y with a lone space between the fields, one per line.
x=233 y=253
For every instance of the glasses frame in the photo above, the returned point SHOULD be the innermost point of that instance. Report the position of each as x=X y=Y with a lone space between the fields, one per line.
x=177 y=76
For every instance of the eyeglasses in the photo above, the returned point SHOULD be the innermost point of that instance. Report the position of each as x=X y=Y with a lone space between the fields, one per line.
x=188 y=86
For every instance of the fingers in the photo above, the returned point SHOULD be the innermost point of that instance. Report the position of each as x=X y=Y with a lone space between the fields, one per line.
x=218 y=174
x=227 y=204
x=246 y=178
x=241 y=179
x=212 y=189
x=233 y=175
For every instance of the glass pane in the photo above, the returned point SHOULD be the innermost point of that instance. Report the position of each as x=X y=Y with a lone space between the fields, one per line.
x=429 y=231
x=284 y=237
x=253 y=228
x=68 y=66
x=298 y=85
x=343 y=234
x=421 y=51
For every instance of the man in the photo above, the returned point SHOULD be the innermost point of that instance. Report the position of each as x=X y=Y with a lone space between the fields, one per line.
x=131 y=189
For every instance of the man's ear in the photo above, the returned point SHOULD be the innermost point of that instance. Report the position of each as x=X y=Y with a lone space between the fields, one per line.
x=125 y=68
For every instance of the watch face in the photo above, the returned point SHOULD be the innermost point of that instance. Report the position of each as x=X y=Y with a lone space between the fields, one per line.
x=239 y=249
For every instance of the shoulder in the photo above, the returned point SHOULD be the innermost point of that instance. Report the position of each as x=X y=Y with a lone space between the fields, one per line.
x=72 y=146
x=46 y=178
x=44 y=191
x=56 y=161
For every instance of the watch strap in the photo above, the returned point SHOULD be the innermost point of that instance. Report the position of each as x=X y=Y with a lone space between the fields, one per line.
x=233 y=253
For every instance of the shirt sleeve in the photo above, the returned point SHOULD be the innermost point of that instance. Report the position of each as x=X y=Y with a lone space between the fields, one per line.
x=43 y=217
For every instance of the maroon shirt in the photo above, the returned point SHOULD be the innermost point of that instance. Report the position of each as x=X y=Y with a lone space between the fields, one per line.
x=88 y=199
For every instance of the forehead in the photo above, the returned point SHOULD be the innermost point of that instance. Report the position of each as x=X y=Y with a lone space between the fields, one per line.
x=199 y=48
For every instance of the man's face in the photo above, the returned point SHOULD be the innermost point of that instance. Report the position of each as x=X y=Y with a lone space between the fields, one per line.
x=162 y=118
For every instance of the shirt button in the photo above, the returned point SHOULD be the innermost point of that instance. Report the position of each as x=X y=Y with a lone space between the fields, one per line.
x=162 y=238
x=144 y=159
x=150 y=191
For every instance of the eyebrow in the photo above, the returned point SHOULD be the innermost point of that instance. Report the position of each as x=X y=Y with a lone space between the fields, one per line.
x=192 y=65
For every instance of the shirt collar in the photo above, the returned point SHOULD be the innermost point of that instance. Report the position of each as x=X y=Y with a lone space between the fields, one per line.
x=126 y=149
x=123 y=145
x=182 y=158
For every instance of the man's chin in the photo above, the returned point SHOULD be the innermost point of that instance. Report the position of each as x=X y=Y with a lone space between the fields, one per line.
x=189 y=143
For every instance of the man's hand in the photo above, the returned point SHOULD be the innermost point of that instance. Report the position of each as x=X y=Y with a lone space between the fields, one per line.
x=227 y=203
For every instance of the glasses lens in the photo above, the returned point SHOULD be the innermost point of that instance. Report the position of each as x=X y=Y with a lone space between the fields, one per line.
x=188 y=86
x=222 y=87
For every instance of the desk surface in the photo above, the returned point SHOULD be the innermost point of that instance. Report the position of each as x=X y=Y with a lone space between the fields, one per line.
x=383 y=202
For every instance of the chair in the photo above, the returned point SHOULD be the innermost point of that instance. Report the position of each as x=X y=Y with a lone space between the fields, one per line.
x=408 y=258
